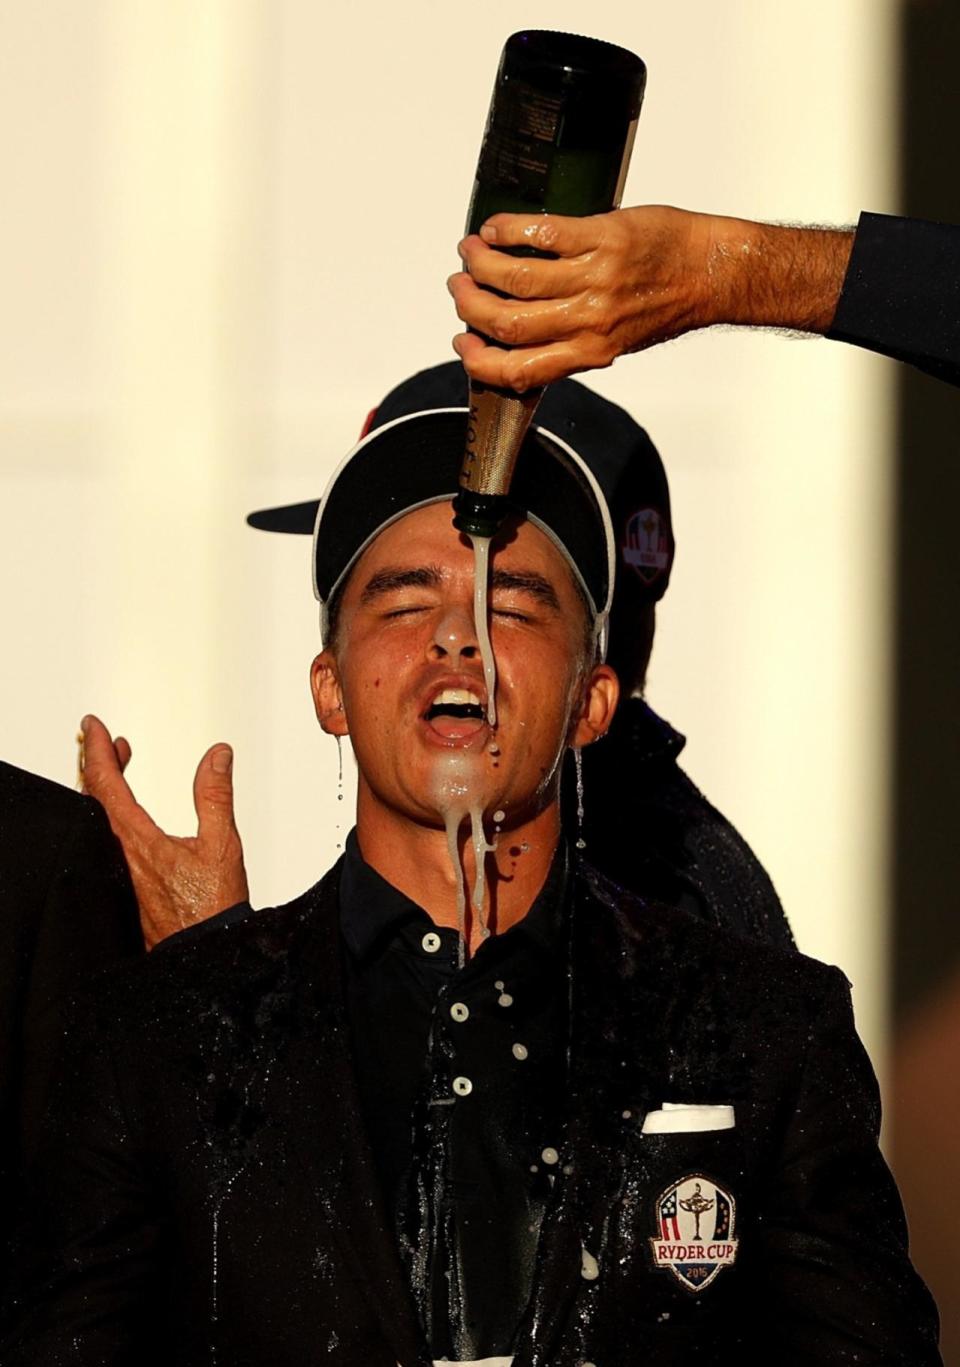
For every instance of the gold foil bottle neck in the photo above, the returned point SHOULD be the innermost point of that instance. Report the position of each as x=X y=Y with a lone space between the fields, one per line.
x=496 y=426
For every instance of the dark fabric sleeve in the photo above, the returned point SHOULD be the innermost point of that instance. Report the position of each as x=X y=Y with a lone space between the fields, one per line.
x=88 y=923
x=901 y=294
x=840 y=1288
x=88 y=1267
x=228 y=917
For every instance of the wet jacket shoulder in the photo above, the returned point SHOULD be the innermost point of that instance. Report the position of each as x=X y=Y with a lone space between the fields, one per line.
x=67 y=911
x=163 y=1107
x=649 y=828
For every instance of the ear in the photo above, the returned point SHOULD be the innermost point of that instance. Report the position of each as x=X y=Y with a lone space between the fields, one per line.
x=600 y=696
x=327 y=696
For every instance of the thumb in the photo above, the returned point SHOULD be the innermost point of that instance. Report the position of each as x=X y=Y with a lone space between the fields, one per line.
x=217 y=837
x=213 y=791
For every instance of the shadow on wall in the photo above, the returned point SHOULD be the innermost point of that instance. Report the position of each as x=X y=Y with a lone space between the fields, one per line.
x=924 y=1094
x=925 y=1081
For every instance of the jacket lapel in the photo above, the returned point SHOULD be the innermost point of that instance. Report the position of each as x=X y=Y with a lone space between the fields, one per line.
x=315 y=1098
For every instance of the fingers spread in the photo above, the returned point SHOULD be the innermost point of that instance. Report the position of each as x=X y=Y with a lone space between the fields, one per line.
x=102 y=772
x=103 y=779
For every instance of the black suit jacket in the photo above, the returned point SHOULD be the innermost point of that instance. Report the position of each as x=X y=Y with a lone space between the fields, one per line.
x=901 y=294
x=67 y=910
x=212 y=1198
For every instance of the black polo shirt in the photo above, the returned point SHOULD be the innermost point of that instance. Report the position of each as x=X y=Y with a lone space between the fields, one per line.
x=462 y=1077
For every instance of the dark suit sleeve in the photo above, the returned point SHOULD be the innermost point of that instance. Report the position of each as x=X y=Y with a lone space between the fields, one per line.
x=840 y=1286
x=88 y=1260
x=228 y=917
x=88 y=922
x=901 y=294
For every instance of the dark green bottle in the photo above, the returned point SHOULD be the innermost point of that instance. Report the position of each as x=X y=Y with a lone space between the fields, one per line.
x=558 y=139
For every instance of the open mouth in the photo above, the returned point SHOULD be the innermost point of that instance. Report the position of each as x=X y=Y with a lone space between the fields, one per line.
x=456 y=713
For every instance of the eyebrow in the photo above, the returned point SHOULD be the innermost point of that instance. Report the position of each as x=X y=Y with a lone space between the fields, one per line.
x=526 y=581
x=392 y=578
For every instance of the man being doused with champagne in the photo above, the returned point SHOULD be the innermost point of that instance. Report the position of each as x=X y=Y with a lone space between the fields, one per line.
x=438 y=1109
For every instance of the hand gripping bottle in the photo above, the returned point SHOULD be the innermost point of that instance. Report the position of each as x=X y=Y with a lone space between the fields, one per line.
x=558 y=140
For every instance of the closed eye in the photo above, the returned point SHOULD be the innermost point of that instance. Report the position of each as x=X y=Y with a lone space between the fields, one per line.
x=405 y=611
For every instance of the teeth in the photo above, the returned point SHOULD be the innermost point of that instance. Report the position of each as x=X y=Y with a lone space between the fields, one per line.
x=459 y=697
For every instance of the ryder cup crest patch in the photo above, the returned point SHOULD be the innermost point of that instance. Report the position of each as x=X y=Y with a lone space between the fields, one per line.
x=696 y=1219
x=646 y=546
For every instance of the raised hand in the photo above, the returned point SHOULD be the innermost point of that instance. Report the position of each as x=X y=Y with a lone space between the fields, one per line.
x=179 y=880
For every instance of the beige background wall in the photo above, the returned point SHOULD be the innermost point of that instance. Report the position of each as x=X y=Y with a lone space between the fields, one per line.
x=226 y=229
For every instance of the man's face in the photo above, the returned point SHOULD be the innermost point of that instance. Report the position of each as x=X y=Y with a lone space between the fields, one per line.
x=408 y=675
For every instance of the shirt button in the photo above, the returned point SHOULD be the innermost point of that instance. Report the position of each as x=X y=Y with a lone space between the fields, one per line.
x=431 y=942
x=462 y=1086
x=459 y=1011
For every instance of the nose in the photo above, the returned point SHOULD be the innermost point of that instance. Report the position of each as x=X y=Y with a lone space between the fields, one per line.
x=454 y=636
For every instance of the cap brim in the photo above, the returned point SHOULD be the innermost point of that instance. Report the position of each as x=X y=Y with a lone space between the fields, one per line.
x=415 y=460
x=299 y=518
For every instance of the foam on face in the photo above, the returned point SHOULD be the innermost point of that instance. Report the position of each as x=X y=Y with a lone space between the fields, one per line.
x=454 y=781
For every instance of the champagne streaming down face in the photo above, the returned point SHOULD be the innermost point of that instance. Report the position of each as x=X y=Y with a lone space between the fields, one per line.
x=481 y=620
x=495 y=430
x=455 y=795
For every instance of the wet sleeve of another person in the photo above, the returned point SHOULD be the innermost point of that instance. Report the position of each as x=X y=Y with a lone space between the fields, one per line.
x=88 y=1269
x=839 y=1285
x=89 y=922
x=901 y=293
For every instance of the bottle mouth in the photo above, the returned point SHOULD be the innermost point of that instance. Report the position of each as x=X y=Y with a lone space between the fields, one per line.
x=479 y=514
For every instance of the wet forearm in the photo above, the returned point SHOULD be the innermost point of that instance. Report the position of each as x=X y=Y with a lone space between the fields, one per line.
x=773 y=275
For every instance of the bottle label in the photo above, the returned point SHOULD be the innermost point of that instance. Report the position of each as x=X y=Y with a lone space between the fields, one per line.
x=516 y=149
x=496 y=426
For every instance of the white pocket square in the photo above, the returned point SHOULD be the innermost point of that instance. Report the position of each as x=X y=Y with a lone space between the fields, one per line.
x=679 y=1119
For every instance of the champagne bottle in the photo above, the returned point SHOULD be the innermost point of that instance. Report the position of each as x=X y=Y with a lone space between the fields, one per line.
x=558 y=140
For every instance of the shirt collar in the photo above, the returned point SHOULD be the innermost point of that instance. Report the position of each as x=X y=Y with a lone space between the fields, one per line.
x=650 y=737
x=371 y=909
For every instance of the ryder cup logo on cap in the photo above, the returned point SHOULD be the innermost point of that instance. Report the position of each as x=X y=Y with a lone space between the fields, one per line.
x=696 y=1219
x=646 y=545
